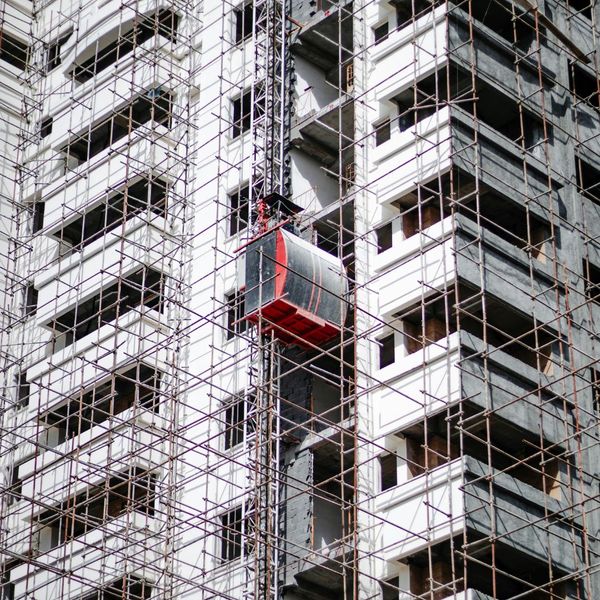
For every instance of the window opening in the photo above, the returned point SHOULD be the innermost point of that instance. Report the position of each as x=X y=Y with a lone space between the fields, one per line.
x=235 y=414
x=388 y=471
x=53 y=52
x=381 y=32
x=243 y=22
x=45 y=127
x=231 y=534
x=235 y=312
x=30 y=300
x=386 y=351
x=136 y=199
x=139 y=386
x=239 y=210
x=384 y=237
x=242 y=113
x=383 y=132
x=13 y=51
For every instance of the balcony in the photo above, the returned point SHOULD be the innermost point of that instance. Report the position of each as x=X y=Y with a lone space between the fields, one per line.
x=117 y=254
x=140 y=333
x=440 y=504
x=112 y=447
x=414 y=519
x=422 y=262
x=119 y=548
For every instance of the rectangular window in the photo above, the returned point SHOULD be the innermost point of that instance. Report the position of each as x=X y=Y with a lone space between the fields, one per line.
x=45 y=127
x=243 y=22
x=383 y=132
x=588 y=180
x=235 y=311
x=388 y=471
x=596 y=391
x=235 y=413
x=30 y=300
x=53 y=55
x=124 y=588
x=381 y=32
x=384 y=238
x=390 y=589
x=238 y=210
x=591 y=274
x=231 y=534
x=13 y=51
x=37 y=220
x=142 y=197
x=582 y=7
x=23 y=390
x=583 y=85
x=386 y=351
x=242 y=111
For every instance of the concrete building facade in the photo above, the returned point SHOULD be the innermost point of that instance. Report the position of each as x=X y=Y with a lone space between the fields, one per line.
x=300 y=299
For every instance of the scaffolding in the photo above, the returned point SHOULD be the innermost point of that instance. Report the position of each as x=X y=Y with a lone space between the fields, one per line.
x=442 y=443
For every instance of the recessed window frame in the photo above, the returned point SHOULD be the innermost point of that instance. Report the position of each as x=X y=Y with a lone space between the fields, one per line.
x=241 y=114
x=381 y=32
x=387 y=350
x=238 y=207
x=243 y=22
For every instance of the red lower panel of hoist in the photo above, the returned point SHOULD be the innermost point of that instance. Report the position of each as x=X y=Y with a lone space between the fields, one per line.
x=294 y=325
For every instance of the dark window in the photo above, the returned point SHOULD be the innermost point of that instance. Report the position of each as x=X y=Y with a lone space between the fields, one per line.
x=588 y=180
x=124 y=588
x=584 y=85
x=13 y=51
x=382 y=132
x=388 y=471
x=498 y=16
x=231 y=534
x=381 y=32
x=37 y=221
x=404 y=10
x=583 y=7
x=390 y=589
x=7 y=587
x=386 y=351
x=418 y=335
x=591 y=274
x=23 y=388
x=53 y=56
x=16 y=485
x=235 y=413
x=243 y=23
x=45 y=127
x=238 y=210
x=30 y=300
x=242 y=110
x=384 y=238
x=235 y=311
x=596 y=391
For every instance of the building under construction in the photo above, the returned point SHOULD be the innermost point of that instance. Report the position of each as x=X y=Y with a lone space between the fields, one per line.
x=300 y=300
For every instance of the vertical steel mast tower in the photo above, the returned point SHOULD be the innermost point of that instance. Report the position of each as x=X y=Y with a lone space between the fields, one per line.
x=267 y=177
